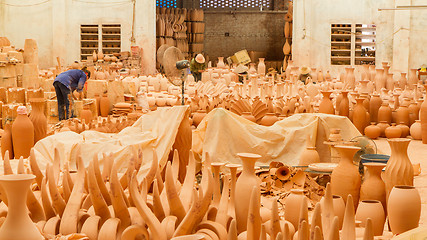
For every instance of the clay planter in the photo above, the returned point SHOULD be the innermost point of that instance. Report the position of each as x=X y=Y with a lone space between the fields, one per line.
x=18 y=224
x=6 y=141
x=269 y=119
x=345 y=178
x=423 y=119
x=373 y=187
x=38 y=118
x=393 y=131
x=399 y=170
x=244 y=186
x=104 y=105
x=326 y=106
x=372 y=131
x=415 y=130
x=372 y=209
x=22 y=134
x=404 y=208
x=198 y=117
x=293 y=205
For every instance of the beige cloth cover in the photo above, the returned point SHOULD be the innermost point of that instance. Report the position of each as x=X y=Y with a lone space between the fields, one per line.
x=222 y=134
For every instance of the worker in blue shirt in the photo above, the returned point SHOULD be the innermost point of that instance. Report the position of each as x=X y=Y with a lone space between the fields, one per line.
x=66 y=83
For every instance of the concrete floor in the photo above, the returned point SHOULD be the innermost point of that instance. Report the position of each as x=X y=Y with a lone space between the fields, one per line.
x=417 y=153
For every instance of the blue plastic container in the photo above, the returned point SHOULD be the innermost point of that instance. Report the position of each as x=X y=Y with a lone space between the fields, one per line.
x=376 y=158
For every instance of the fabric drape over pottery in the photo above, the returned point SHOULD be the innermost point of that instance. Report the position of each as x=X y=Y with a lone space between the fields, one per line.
x=223 y=134
x=156 y=130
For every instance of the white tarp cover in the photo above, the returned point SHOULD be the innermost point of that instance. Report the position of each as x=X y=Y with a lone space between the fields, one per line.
x=222 y=134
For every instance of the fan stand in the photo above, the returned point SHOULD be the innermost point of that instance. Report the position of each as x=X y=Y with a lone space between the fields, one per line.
x=183 y=77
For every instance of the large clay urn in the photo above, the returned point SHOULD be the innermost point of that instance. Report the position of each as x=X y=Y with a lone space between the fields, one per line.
x=373 y=187
x=374 y=107
x=343 y=108
x=293 y=205
x=22 y=134
x=198 y=117
x=423 y=118
x=359 y=115
x=399 y=170
x=385 y=113
x=393 y=131
x=18 y=224
x=345 y=178
x=374 y=210
x=326 y=106
x=86 y=114
x=404 y=208
x=38 y=118
x=244 y=185
x=350 y=79
x=6 y=141
x=104 y=105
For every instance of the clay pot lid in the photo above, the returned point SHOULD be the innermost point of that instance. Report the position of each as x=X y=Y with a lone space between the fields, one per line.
x=14 y=177
x=249 y=155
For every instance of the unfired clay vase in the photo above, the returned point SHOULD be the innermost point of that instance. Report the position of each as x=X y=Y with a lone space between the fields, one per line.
x=104 y=105
x=86 y=114
x=384 y=113
x=6 y=141
x=244 y=185
x=405 y=130
x=293 y=205
x=372 y=131
x=383 y=125
x=309 y=156
x=374 y=210
x=261 y=67
x=22 y=134
x=374 y=107
x=38 y=118
x=404 y=208
x=326 y=106
x=373 y=187
x=343 y=109
x=221 y=63
x=18 y=225
x=412 y=79
x=359 y=115
x=415 y=130
x=345 y=178
x=399 y=170
x=423 y=119
x=198 y=117
x=349 y=77
x=393 y=131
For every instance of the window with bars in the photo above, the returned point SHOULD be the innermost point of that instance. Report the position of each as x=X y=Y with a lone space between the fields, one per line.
x=166 y=3
x=235 y=4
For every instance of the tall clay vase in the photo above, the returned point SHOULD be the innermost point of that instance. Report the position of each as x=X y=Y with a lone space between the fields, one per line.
x=38 y=118
x=6 y=141
x=404 y=208
x=22 y=134
x=359 y=115
x=86 y=114
x=399 y=170
x=374 y=106
x=373 y=187
x=104 y=105
x=385 y=113
x=18 y=224
x=423 y=119
x=374 y=210
x=412 y=78
x=326 y=106
x=350 y=79
x=343 y=108
x=293 y=205
x=345 y=178
x=221 y=63
x=379 y=79
x=261 y=67
x=244 y=185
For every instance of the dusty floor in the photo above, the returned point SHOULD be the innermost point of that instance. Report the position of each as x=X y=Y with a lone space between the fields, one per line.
x=417 y=154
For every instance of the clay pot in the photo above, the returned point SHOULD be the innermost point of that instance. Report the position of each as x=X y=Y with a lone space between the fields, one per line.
x=309 y=156
x=404 y=208
x=339 y=208
x=249 y=116
x=412 y=79
x=414 y=113
x=385 y=113
x=359 y=115
x=374 y=210
x=374 y=107
x=343 y=109
x=86 y=114
x=221 y=63
x=415 y=130
x=373 y=187
x=393 y=131
x=423 y=119
x=6 y=141
x=399 y=170
x=326 y=105
x=379 y=84
x=18 y=224
x=38 y=118
x=261 y=67
x=97 y=102
x=198 y=117
x=372 y=131
x=383 y=125
x=104 y=105
x=349 y=77
x=244 y=185
x=100 y=55
x=293 y=205
x=405 y=130
x=161 y=101
x=345 y=178
x=402 y=115
x=22 y=134
x=269 y=119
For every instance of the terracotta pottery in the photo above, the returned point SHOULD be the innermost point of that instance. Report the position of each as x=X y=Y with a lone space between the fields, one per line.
x=198 y=117
x=261 y=67
x=38 y=118
x=404 y=208
x=402 y=80
x=343 y=109
x=309 y=156
x=359 y=115
x=404 y=128
x=349 y=227
x=350 y=79
x=399 y=170
x=339 y=208
x=326 y=106
x=269 y=119
x=22 y=134
x=412 y=79
x=414 y=112
x=6 y=141
x=18 y=225
x=86 y=114
x=98 y=102
x=104 y=105
x=372 y=131
x=374 y=106
x=220 y=63
x=293 y=205
x=345 y=178
x=385 y=113
x=415 y=130
x=383 y=125
x=374 y=210
x=379 y=79
x=249 y=116
x=393 y=131
x=402 y=115
x=423 y=119
x=100 y=55
x=244 y=186
x=373 y=187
